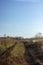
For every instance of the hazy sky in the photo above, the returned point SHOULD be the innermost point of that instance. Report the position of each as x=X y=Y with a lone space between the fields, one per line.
x=21 y=17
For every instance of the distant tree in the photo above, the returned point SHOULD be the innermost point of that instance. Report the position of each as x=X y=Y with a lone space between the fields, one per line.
x=19 y=38
x=38 y=35
x=5 y=41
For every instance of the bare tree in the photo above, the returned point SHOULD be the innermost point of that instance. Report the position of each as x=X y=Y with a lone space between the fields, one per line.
x=38 y=35
x=5 y=41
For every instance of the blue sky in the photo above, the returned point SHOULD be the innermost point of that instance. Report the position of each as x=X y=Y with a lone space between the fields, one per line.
x=21 y=17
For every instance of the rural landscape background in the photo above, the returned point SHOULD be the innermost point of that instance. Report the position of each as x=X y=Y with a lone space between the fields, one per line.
x=21 y=32
x=21 y=51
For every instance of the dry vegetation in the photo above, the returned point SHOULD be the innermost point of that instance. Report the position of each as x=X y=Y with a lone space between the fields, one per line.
x=16 y=55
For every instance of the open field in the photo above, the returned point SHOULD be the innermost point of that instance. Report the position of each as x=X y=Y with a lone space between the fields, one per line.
x=20 y=52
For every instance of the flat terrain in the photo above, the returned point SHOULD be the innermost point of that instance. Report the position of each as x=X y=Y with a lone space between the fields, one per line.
x=17 y=52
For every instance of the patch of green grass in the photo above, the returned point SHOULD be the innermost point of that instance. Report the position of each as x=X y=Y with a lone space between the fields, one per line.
x=18 y=50
x=3 y=46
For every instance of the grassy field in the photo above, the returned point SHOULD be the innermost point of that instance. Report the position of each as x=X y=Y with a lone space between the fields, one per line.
x=18 y=51
x=16 y=55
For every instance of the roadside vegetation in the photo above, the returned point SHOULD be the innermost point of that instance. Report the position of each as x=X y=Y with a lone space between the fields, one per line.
x=15 y=55
x=11 y=54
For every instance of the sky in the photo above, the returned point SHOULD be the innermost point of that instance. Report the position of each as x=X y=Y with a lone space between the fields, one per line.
x=21 y=17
